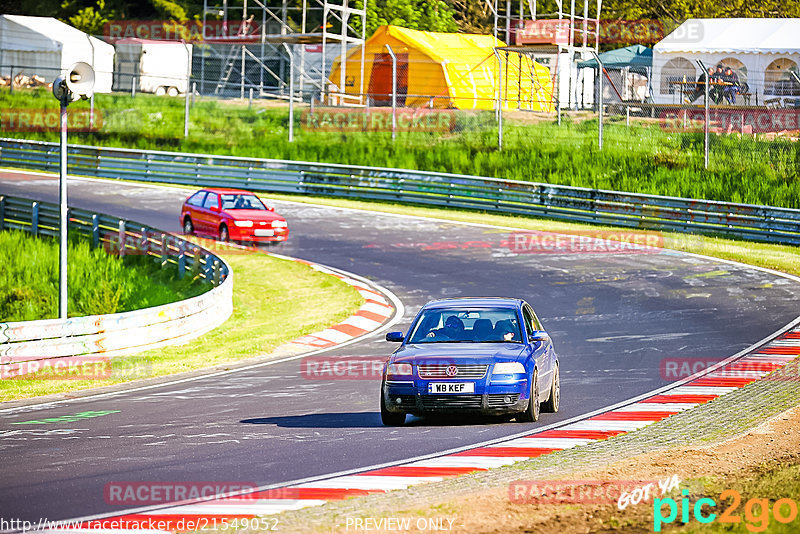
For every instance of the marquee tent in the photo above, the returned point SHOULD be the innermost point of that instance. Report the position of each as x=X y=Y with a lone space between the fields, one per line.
x=628 y=69
x=444 y=70
x=763 y=52
x=636 y=57
x=46 y=46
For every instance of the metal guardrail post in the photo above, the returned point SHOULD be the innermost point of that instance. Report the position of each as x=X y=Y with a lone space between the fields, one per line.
x=144 y=243
x=164 y=250
x=122 y=238
x=195 y=261
x=182 y=260
x=35 y=218
x=95 y=231
x=216 y=273
x=208 y=268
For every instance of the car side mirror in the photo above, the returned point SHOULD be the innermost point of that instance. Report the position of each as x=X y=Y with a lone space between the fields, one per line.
x=214 y=208
x=539 y=335
x=396 y=337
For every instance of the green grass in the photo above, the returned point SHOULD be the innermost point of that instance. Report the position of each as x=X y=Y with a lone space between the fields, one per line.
x=275 y=301
x=97 y=282
x=643 y=158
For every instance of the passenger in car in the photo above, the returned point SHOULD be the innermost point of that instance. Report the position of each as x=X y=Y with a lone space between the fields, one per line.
x=504 y=330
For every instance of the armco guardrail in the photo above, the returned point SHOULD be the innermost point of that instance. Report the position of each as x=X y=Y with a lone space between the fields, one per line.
x=762 y=223
x=29 y=346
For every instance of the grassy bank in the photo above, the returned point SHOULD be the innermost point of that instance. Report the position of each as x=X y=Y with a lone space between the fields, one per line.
x=97 y=282
x=271 y=299
x=643 y=157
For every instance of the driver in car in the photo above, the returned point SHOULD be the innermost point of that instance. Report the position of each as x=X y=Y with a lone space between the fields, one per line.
x=453 y=330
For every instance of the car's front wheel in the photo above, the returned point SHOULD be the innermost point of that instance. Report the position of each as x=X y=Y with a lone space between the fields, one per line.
x=531 y=413
x=390 y=418
x=554 y=401
x=224 y=235
x=188 y=227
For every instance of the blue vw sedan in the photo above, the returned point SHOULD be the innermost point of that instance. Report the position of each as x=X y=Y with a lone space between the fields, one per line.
x=483 y=355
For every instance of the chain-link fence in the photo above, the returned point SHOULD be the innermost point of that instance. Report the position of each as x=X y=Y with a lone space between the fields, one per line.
x=497 y=111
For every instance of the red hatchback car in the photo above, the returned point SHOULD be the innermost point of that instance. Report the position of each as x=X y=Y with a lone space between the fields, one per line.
x=232 y=215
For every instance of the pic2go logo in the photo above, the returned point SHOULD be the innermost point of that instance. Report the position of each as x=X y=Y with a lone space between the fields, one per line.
x=756 y=511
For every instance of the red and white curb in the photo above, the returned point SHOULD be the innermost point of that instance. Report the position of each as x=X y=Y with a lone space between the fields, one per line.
x=725 y=377
x=370 y=316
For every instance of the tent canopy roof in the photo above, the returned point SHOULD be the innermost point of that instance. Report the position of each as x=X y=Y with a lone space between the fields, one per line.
x=43 y=34
x=740 y=36
x=630 y=56
x=440 y=47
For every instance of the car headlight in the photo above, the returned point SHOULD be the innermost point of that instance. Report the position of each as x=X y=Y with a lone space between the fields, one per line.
x=279 y=224
x=399 y=369
x=243 y=224
x=508 y=368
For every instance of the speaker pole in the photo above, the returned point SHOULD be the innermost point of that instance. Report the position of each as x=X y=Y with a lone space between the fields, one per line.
x=62 y=198
x=77 y=83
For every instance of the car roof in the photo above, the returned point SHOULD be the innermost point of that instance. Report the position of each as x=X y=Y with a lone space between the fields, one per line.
x=477 y=302
x=225 y=190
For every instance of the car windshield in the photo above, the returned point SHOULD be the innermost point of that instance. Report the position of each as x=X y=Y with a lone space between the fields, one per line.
x=461 y=325
x=241 y=201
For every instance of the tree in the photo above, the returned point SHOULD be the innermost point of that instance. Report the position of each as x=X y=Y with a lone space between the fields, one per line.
x=426 y=15
x=90 y=19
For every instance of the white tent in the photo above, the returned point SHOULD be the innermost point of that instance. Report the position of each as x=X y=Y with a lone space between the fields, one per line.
x=47 y=47
x=763 y=53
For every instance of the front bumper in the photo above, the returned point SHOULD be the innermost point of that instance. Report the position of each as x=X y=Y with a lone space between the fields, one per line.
x=249 y=234
x=413 y=398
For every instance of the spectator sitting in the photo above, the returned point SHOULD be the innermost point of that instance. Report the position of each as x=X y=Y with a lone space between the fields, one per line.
x=700 y=86
x=715 y=91
x=730 y=91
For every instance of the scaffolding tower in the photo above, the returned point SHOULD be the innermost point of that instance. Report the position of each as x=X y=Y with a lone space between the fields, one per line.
x=251 y=44
x=557 y=39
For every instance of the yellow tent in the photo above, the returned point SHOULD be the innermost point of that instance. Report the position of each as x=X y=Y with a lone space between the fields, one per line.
x=444 y=70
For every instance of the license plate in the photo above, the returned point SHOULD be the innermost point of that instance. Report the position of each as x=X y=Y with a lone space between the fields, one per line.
x=451 y=387
x=264 y=233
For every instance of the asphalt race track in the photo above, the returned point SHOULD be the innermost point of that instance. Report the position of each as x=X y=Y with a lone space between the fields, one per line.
x=614 y=318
